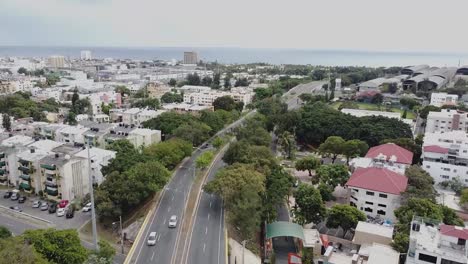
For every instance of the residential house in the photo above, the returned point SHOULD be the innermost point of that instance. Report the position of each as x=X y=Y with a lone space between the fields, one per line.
x=389 y=156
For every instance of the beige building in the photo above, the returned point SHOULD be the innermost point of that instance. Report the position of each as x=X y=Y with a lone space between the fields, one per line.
x=157 y=90
x=56 y=61
x=190 y=57
x=368 y=233
x=7 y=87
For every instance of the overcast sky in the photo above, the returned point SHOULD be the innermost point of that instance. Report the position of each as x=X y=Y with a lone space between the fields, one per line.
x=395 y=25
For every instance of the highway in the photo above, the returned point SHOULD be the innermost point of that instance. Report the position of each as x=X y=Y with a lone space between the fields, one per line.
x=292 y=96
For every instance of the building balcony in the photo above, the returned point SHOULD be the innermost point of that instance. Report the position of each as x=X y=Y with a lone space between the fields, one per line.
x=24 y=169
x=51 y=191
x=23 y=162
x=2 y=155
x=3 y=177
x=26 y=186
x=2 y=163
x=48 y=167
x=25 y=177
x=51 y=184
x=2 y=172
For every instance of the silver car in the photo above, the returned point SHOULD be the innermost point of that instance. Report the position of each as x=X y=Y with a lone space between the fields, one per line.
x=173 y=221
x=151 y=239
x=44 y=206
x=36 y=204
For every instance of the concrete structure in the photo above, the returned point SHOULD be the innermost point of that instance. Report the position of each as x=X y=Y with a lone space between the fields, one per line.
x=446 y=120
x=441 y=99
x=157 y=90
x=9 y=149
x=369 y=233
x=376 y=191
x=56 y=61
x=71 y=134
x=411 y=70
x=86 y=55
x=389 y=156
x=144 y=137
x=378 y=254
x=99 y=158
x=190 y=57
x=445 y=156
x=208 y=97
x=429 y=79
x=338 y=84
x=434 y=242
x=136 y=116
x=187 y=108
x=7 y=87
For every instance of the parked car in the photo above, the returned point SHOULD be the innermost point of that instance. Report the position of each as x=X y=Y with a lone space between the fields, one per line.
x=7 y=194
x=22 y=199
x=52 y=208
x=16 y=208
x=36 y=204
x=151 y=239
x=15 y=195
x=173 y=221
x=60 y=212
x=86 y=208
x=70 y=212
x=44 y=206
x=63 y=203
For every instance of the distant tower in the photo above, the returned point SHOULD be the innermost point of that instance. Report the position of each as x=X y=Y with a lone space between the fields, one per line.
x=337 y=84
x=190 y=57
x=56 y=61
x=86 y=55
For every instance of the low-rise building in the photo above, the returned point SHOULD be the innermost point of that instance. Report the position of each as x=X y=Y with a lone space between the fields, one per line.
x=434 y=242
x=157 y=90
x=369 y=233
x=376 y=191
x=7 y=87
x=446 y=120
x=99 y=158
x=144 y=137
x=71 y=134
x=187 y=108
x=9 y=149
x=389 y=156
x=441 y=99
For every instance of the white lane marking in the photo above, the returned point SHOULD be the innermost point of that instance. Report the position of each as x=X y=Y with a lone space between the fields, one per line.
x=220 y=231
x=204 y=246
x=172 y=198
x=164 y=221
x=210 y=204
x=206 y=230
x=168 y=209
x=152 y=256
x=208 y=216
x=159 y=236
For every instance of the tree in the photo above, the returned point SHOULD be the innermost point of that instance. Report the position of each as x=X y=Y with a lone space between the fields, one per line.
x=193 y=79
x=404 y=114
x=377 y=98
x=216 y=81
x=71 y=118
x=241 y=82
x=409 y=103
x=106 y=108
x=288 y=143
x=309 y=207
x=4 y=232
x=75 y=97
x=204 y=159
x=450 y=216
x=195 y=132
x=354 y=148
x=420 y=184
x=6 y=122
x=326 y=192
x=206 y=81
x=423 y=113
x=464 y=197
x=216 y=119
x=227 y=82
x=172 y=82
x=225 y=103
x=416 y=207
x=344 y=216
x=151 y=103
x=254 y=134
x=57 y=246
x=308 y=163
x=218 y=142
x=168 y=122
x=332 y=146
x=333 y=175
x=278 y=186
x=126 y=157
x=400 y=242
x=16 y=250
x=104 y=255
x=122 y=90
x=22 y=70
x=169 y=152
x=170 y=97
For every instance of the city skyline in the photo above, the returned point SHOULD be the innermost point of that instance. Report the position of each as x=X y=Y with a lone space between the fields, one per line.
x=365 y=25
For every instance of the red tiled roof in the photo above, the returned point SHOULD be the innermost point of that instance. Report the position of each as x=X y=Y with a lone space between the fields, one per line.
x=378 y=179
x=403 y=155
x=454 y=231
x=435 y=149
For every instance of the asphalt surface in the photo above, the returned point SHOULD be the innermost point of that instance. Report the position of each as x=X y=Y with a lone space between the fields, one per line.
x=292 y=96
x=14 y=225
x=172 y=202
x=207 y=241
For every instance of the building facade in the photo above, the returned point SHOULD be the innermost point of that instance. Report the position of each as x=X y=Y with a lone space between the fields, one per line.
x=446 y=120
x=441 y=99
x=190 y=57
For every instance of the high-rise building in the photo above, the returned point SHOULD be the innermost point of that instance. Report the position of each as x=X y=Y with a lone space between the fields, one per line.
x=190 y=57
x=56 y=61
x=86 y=55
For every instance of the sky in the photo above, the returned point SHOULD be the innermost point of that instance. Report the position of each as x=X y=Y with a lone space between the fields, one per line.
x=374 y=25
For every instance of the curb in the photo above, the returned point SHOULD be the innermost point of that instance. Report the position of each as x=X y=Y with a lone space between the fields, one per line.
x=25 y=214
x=226 y=241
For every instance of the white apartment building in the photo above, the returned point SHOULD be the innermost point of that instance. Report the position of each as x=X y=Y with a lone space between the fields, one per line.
x=99 y=158
x=446 y=120
x=187 y=108
x=441 y=99
x=71 y=134
x=86 y=55
x=99 y=98
x=376 y=191
x=56 y=61
x=9 y=149
x=7 y=87
x=207 y=98
x=147 y=114
x=144 y=137
x=130 y=116
x=445 y=156
x=23 y=85
x=436 y=243
x=389 y=156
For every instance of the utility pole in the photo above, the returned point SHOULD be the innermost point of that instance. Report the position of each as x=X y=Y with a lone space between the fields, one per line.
x=243 y=251
x=121 y=235
x=91 y=194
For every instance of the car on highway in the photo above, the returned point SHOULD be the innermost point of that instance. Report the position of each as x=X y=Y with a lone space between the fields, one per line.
x=151 y=239
x=173 y=221
x=44 y=206
x=52 y=208
x=70 y=213
x=7 y=194
x=63 y=203
x=60 y=212
x=16 y=208
x=36 y=204
x=22 y=199
x=15 y=195
x=86 y=208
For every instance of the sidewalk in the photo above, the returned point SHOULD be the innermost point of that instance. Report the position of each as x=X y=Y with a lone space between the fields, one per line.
x=235 y=256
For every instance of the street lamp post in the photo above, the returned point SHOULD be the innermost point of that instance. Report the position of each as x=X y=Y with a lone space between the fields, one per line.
x=91 y=194
x=121 y=234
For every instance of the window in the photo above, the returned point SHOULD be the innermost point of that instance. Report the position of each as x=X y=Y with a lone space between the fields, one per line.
x=381 y=195
x=445 y=176
x=381 y=212
x=461 y=242
x=446 y=169
x=370 y=193
x=446 y=261
x=369 y=203
x=427 y=258
x=356 y=190
x=354 y=198
x=367 y=209
x=428 y=167
x=382 y=205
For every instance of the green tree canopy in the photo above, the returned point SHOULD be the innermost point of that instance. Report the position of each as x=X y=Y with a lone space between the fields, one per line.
x=204 y=160
x=344 y=216
x=354 y=148
x=168 y=122
x=169 y=152
x=308 y=163
x=332 y=146
x=15 y=250
x=309 y=206
x=333 y=174
x=4 y=232
x=171 y=97
x=195 y=132
x=151 y=103
x=420 y=184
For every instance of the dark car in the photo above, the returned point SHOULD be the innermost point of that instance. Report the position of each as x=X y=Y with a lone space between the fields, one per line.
x=16 y=208
x=22 y=199
x=7 y=194
x=52 y=208
x=70 y=213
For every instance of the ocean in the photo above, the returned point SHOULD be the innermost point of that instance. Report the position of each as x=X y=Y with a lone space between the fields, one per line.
x=243 y=55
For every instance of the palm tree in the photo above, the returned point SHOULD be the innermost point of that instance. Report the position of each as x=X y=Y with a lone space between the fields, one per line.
x=288 y=142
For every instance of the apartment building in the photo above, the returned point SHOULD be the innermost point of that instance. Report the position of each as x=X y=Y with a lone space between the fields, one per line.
x=187 y=108
x=441 y=99
x=157 y=90
x=71 y=134
x=9 y=149
x=445 y=156
x=99 y=158
x=56 y=61
x=376 y=191
x=7 y=87
x=144 y=137
x=136 y=116
x=446 y=120
x=96 y=131
x=436 y=243
x=208 y=97
x=86 y=55
x=389 y=156
x=190 y=57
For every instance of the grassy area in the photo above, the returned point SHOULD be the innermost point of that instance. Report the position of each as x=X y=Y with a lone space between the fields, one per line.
x=375 y=107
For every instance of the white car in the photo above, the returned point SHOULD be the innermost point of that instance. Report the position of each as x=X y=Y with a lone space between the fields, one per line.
x=173 y=221
x=86 y=208
x=60 y=212
x=36 y=204
x=151 y=239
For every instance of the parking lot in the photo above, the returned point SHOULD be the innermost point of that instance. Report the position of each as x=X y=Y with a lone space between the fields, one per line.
x=58 y=222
